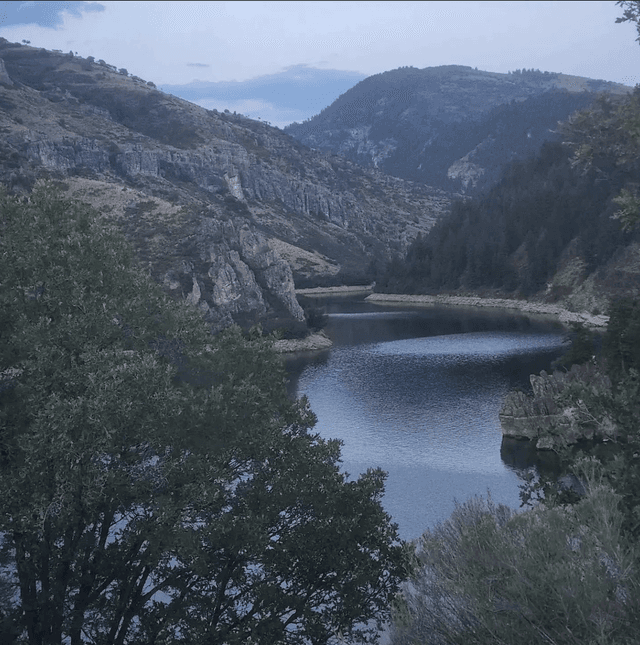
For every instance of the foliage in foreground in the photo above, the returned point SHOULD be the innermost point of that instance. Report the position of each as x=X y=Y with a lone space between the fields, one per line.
x=565 y=571
x=488 y=575
x=158 y=485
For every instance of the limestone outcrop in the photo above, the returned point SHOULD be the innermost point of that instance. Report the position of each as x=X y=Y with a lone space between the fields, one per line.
x=259 y=209
x=4 y=76
x=559 y=412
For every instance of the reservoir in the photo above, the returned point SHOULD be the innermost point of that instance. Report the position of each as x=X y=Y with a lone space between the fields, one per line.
x=416 y=391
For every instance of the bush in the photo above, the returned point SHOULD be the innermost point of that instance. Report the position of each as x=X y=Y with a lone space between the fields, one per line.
x=490 y=575
x=316 y=317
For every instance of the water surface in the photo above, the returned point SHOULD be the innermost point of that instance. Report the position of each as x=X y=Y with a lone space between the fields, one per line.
x=416 y=392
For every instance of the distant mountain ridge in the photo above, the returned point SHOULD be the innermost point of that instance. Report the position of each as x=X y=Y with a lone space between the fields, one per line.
x=452 y=126
x=296 y=93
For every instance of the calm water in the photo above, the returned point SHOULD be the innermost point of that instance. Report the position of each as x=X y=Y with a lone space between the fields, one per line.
x=416 y=391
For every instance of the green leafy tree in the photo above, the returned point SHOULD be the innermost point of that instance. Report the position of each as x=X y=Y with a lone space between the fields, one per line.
x=622 y=340
x=606 y=140
x=582 y=347
x=158 y=486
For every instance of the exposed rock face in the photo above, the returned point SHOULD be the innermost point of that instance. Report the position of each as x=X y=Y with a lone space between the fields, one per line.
x=466 y=172
x=556 y=415
x=241 y=191
x=245 y=277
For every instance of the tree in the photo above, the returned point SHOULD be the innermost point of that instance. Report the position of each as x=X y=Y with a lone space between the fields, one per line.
x=158 y=485
x=582 y=347
x=631 y=13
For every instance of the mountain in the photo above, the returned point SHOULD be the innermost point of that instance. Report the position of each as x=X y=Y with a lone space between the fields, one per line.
x=560 y=227
x=453 y=127
x=294 y=94
x=225 y=211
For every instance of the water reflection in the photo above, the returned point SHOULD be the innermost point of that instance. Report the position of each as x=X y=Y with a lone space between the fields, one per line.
x=417 y=393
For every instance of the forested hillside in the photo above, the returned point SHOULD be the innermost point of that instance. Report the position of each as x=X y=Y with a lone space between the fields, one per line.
x=548 y=226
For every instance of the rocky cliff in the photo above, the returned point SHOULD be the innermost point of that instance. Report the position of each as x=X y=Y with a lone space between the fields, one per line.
x=555 y=414
x=452 y=126
x=227 y=211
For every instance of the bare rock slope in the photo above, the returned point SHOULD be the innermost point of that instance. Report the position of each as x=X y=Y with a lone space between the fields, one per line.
x=226 y=211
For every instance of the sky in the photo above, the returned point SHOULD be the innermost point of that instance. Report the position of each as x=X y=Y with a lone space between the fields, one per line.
x=174 y=43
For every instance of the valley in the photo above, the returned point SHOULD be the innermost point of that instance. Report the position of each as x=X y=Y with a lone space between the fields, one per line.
x=233 y=214
x=421 y=249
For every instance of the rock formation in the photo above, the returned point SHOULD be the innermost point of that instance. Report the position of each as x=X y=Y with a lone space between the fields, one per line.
x=557 y=413
x=4 y=77
x=225 y=211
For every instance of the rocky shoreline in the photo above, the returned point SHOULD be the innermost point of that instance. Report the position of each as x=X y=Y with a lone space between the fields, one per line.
x=557 y=413
x=538 y=308
x=311 y=343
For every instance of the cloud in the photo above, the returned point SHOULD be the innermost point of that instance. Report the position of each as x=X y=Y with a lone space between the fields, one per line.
x=198 y=65
x=44 y=14
x=245 y=40
x=294 y=94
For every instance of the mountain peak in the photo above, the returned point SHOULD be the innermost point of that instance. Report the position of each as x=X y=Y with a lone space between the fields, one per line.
x=450 y=126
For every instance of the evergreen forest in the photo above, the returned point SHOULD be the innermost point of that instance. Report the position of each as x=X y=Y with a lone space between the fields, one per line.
x=564 y=203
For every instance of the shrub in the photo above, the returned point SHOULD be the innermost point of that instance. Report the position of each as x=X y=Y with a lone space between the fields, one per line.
x=490 y=575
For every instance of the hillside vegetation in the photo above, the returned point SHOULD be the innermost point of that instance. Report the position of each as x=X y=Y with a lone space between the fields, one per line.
x=550 y=228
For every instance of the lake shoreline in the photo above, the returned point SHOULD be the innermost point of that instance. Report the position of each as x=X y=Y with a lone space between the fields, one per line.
x=311 y=343
x=417 y=391
x=335 y=291
x=319 y=341
x=538 y=308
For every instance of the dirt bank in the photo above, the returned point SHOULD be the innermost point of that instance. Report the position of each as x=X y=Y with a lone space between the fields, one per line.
x=334 y=291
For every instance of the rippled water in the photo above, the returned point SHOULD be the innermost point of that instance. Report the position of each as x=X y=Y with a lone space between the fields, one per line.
x=417 y=393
